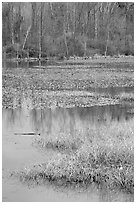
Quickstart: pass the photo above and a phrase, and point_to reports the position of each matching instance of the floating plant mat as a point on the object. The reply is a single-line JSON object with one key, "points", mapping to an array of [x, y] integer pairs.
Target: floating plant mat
{"points": [[69, 78], [13, 98]]}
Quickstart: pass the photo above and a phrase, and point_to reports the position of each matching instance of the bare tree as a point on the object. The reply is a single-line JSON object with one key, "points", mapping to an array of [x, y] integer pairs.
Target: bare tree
{"points": [[12, 22], [109, 10]]}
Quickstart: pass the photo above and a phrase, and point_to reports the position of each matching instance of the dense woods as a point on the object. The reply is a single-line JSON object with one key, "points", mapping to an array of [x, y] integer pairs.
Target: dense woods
{"points": [[48, 29]]}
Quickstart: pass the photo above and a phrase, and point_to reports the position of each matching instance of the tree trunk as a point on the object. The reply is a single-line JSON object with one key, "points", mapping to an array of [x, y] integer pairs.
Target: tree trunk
{"points": [[74, 20], [40, 31], [108, 26], [85, 48], [67, 18], [126, 30], [33, 24], [28, 30], [19, 32], [28, 54], [65, 40], [64, 34], [107, 42], [12, 23], [110, 8], [96, 21]]}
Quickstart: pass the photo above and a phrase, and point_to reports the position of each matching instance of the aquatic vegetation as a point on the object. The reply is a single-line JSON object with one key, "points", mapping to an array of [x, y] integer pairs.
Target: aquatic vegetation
{"points": [[63, 142], [105, 156], [69, 86], [126, 97], [42, 99]]}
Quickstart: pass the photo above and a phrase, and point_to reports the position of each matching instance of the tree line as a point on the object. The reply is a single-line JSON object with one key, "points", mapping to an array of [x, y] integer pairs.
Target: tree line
{"points": [[68, 28]]}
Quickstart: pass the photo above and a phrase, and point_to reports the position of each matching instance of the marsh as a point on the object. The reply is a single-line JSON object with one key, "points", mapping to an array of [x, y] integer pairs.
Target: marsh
{"points": [[68, 101], [71, 123]]}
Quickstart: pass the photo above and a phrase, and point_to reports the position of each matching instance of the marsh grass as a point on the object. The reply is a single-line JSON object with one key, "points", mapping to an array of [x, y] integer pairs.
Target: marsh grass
{"points": [[125, 98], [62, 142], [105, 156]]}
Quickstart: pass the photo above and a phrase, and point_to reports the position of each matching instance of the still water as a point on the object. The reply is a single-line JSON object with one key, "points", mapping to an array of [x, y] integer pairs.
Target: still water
{"points": [[47, 63], [58, 119], [20, 152]]}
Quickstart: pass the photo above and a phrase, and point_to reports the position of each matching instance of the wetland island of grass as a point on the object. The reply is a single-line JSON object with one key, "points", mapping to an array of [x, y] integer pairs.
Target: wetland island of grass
{"points": [[67, 122]]}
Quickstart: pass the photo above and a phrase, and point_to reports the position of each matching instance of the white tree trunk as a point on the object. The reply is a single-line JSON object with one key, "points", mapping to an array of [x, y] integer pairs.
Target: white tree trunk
{"points": [[96, 20], [28, 30], [12, 24], [85, 48], [40, 32]]}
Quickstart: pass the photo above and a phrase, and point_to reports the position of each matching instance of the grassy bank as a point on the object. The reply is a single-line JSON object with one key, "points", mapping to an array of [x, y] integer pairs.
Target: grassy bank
{"points": [[103, 154]]}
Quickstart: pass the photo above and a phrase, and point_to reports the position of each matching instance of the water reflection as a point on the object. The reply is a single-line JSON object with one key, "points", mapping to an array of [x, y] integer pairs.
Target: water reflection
{"points": [[25, 64], [112, 90], [55, 120], [97, 65]]}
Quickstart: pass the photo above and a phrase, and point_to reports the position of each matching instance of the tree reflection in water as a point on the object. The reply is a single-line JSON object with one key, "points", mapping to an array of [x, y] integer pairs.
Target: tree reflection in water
{"points": [[68, 120]]}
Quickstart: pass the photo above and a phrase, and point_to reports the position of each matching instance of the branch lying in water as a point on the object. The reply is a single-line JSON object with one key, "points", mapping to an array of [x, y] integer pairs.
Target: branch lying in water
{"points": [[28, 133]]}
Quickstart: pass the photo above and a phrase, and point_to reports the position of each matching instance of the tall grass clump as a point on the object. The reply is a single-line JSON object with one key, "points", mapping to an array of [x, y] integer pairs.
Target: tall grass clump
{"points": [[105, 156], [61, 141]]}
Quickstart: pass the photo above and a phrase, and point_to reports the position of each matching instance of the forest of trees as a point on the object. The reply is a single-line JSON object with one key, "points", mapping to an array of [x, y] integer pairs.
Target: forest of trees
{"points": [[68, 29]]}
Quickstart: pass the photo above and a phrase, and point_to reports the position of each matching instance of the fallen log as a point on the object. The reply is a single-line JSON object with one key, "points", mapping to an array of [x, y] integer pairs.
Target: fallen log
{"points": [[27, 133]]}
